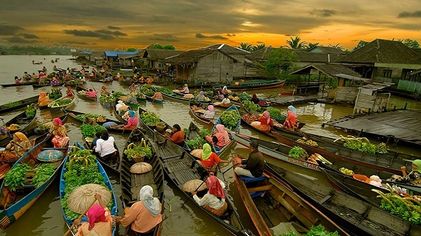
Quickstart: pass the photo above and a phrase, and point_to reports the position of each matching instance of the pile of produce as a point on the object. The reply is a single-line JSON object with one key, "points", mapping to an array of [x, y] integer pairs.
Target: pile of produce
{"points": [[30, 111], [363, 145], [16, 177], [230, 119], [60, 102], [251, 106], [81, 169], [164, 90], [244, 97], [297, 152], [149, 118], [13, 127], [42, 173], [103, 99], [88, 118], [138, 150], [346, 171], [406, 207], [276, 114], [146, 89], [196, 143], [318, 230], [88, 130], [204, 132], [308, 142], [55, 94]]}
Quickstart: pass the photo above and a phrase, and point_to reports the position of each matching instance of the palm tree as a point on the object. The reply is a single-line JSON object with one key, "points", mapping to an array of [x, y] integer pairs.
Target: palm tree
{"points": [[295, 43], [246, 46], [311, 46], [258, 46]]}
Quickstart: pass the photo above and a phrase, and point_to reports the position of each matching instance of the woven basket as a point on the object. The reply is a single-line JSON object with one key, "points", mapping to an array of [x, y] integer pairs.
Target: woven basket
{"points": [[135, 158]]}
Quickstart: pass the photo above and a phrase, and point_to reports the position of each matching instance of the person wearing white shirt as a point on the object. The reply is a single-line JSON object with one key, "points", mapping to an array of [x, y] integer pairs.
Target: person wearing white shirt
{"points": [[214, 199], [105, 146]]}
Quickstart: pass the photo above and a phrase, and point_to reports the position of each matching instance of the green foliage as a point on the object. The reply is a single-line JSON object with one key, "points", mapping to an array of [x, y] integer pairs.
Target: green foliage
{"points": [[364, 145], [132, 50], [279, 62], [106, 99], [159, 46], [230, 119], [30, 111], [149, 118], [318, 230], [312, 46], [411, 43], [15, 178], [250, 47], [164, 90], [88, 130], [276, 114], [196, 143], [60, 102], [147, 90], [204, 132], [408, 210], [42, 173], [55, 93], [138, 151], [251, 106], [33, 50], [244, 96], [297, 152], [87, 116], [296, 43], [360, 44]]}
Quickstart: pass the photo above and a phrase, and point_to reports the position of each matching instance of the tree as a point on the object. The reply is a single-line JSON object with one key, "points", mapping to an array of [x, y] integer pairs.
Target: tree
{"points": [[159, 46], [279, 62], [410, 43], [131, 49], [360, 44], [258, 46], [295, 43], [246, 46], [312, 46]]}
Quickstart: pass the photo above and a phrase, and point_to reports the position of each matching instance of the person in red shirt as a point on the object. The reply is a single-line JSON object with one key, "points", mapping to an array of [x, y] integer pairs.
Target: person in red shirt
{"points": [[264, 123], [209, 159], [177, 135], [291, 120]]}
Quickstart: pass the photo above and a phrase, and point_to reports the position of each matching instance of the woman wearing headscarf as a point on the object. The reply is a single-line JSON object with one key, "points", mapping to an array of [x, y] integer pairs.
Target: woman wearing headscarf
{"points": [[178, 135], [143, 215], [59, 132], [291, 120], [225, 90], [255, 99], [221, 134], [15, 148], [209, 113], [157, 96], [214, 199], [184, 90], [99, 222], [264, 123], [121, 107], [201, 97], [43, 99], [132, 121], [209, 159], [69, 92]]}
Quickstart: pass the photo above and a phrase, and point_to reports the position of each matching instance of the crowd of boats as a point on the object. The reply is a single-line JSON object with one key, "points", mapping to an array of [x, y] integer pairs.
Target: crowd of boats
{"points": [[370, 191]]}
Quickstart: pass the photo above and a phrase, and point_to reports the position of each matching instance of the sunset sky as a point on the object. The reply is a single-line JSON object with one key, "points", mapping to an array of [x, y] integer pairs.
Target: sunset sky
{"points": [[196, 23]]}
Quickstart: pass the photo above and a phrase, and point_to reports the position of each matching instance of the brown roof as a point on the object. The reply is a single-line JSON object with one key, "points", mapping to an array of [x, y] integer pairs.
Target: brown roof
{"points": [[332, 70], [229, 49], [194, 55], [330, 50], [159, 54], [302, 55], [383, 51]]}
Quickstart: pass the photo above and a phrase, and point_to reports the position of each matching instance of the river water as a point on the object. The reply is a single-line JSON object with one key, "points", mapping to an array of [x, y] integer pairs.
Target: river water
{"points": [[183, 218]]}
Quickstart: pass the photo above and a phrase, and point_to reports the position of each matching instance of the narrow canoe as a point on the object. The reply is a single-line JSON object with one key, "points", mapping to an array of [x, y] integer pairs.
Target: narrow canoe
{"points": [[25, 125], [259, 195], [29, 194], [21, 84], [114, 129], [18, 104], [63, 106], [237, 126], [353, 214], [113, 164], [176, 97], [81, 93], [263, 84], [197, 115], [149, 98], [36, 86], [106, 183], [132, 183], [177, 165]]}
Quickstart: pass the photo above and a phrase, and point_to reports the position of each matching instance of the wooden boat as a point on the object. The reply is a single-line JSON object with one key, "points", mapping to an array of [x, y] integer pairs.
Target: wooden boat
{"points": [[353, 214], [64, 106], [132, 183], [199, 116], [364, 164], [177, 165], [176, 97], [28, 194], [18, 104], [116, 129], [25, 125], [81, 93], [106, 183], [20, 84], [291, 213], [219, 121], [36, 86], [113, 163], [149, 98], [261, 84]]}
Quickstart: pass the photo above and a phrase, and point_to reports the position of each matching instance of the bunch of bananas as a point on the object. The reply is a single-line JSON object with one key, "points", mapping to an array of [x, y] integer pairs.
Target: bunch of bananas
{"points": [[346, 171], [308, 142]]}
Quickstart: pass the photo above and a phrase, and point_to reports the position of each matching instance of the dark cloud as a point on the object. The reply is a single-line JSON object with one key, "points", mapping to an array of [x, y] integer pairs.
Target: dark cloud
{"points": [[407, 14], [19, 40], [323, 12], [29, 36], [230, 35], [113, 27], [164, 37], [215, 36], [9, 29], [101, 34]]}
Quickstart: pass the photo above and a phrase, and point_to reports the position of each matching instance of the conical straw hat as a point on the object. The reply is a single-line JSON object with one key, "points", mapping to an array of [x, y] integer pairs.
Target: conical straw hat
{"points": [[140, 168], [82, 198], [192, 185]]}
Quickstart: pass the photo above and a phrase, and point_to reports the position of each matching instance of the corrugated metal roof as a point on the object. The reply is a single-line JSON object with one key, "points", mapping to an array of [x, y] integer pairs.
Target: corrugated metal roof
{"points": [[120, 53]]}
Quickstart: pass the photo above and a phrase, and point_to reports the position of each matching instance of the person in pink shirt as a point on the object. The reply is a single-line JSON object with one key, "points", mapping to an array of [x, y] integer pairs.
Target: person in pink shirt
{"points": [[91, 93], [221, 134], [132, 121]]}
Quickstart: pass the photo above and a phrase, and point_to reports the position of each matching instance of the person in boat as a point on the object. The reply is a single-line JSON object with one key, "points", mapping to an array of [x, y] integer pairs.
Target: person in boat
{"points": [[149, 80], [99, 221], [17, 80], [177, 135], [43, 99], [105, 146], [91, 93], [221, 134], [291, 120], [104, 91], [264, 123], [26, 76], [214, 199], [157, 96], [201, 97], [209, 113], [121, 107], [44, 69], [34, 76], [255, 99], [69, 92], [184, 90], [55, 81], [210, 160], [225, 91], [254, 165], [60, 138], [226, 102], [143, 215], [414, 175], [117, 76], [15, 148], [142, 80], [132, 121]]}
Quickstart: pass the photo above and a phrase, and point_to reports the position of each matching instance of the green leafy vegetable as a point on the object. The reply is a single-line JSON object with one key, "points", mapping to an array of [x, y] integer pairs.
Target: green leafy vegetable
{"points": [[42, 173], [149, 118], [88, 130], [30, 111], [196, 143], [230, 119], [251, 106], [297, 152], [15, 178], [276, 114], [138, 150], [364, 145], [318, 230], [245, 97]]}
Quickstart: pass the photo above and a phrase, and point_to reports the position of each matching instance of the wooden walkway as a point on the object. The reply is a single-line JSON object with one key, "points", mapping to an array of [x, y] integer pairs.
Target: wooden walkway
{"points": [[291, 100], [402, 125]]}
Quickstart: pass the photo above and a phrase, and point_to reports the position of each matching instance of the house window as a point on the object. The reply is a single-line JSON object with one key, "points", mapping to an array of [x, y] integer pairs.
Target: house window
{"points": [[387, 73]]}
